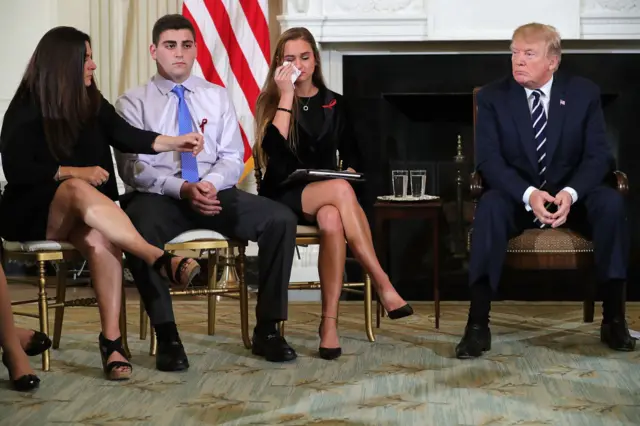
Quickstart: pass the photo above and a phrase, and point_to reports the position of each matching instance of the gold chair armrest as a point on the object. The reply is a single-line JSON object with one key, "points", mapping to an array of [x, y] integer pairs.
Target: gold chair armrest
{"points": [[620, 182]]}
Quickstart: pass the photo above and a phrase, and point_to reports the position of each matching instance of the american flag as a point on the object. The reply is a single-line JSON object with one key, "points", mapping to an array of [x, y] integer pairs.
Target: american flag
{"points": [[233, 51]]}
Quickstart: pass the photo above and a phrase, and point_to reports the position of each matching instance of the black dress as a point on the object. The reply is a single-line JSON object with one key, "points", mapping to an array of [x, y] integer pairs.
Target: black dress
{"points": [[30, 168], [322, 129]]}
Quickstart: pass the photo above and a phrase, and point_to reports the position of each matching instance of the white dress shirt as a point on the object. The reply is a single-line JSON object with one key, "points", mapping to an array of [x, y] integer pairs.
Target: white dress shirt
{"points": [[155, 107], [545, 98]]}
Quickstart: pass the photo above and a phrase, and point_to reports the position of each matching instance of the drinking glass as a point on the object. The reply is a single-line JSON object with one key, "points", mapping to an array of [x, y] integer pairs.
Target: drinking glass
{"points": [[418, 182], [399, 180]]}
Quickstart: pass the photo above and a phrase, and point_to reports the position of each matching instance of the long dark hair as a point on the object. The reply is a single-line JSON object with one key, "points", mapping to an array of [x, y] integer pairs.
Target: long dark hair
{"points": [[54, 81], [267, 102]]}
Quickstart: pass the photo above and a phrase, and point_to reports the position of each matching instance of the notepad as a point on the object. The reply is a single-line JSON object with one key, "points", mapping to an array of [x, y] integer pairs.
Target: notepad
{"points": [[311, 175]]}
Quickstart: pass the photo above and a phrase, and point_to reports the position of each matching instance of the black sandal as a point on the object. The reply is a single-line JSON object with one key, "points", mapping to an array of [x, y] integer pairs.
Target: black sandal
{"points": [[111, 370], [188, 265]]}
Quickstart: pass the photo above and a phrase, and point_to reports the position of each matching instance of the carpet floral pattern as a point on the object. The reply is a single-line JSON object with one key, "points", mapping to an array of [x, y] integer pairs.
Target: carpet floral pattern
{"points": [[546, 367]]}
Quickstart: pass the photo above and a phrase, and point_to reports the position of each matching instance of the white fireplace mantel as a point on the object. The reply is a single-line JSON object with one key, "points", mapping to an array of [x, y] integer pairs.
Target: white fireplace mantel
{"points": [[440, 20]]}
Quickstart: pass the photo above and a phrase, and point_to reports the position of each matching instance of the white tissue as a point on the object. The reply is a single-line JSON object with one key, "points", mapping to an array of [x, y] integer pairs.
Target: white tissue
{"points": [[296, 72]]}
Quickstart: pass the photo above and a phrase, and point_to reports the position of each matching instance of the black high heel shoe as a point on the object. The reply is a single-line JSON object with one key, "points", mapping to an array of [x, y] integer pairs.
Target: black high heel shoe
{"points": [[328, 353], [401, 312], [38, 343], [112, 370], [24, 383]]}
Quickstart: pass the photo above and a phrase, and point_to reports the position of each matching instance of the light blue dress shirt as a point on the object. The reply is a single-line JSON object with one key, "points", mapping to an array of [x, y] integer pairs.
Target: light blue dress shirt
{"points": [[154, 107]]}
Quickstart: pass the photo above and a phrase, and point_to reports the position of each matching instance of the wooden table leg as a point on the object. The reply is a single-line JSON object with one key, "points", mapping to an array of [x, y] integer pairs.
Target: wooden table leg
{"points": [[436, 267]]}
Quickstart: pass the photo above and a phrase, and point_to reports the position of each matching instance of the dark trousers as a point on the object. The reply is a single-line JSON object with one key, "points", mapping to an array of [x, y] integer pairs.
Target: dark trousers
{"points": [[599, 215], [245, 216]]}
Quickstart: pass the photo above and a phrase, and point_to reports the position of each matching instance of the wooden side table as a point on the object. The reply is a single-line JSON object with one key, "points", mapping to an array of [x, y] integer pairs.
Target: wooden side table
{"points": [[385, 211]]}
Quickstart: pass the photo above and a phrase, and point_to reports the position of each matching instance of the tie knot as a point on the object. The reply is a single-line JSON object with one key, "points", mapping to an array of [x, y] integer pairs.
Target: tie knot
{"points": [[178, 90], [537, 94]]}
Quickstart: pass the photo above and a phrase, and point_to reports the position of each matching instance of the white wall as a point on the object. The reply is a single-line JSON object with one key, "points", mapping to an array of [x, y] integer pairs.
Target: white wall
{"points": [[20, 40]]}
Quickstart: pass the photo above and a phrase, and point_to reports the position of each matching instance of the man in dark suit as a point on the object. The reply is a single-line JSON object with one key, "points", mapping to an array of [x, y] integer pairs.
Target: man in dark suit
{"points": [[541, 150]]}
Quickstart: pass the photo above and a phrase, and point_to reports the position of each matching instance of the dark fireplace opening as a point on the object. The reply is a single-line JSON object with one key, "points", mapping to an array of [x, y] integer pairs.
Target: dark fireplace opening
{"points": [[416, 112]]}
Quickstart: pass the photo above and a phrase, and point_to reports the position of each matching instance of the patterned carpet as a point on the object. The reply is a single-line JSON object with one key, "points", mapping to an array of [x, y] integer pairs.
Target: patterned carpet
{"points": [[546, 368]]}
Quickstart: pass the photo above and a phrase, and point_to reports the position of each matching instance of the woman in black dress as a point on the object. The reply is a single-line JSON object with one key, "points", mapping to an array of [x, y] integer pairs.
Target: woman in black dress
{"points": [[300, 127], [55, 145]]}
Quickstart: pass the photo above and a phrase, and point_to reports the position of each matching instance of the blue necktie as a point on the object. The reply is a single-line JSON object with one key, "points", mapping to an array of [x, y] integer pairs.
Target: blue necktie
{"points": [[189, 162], [539, 121]]}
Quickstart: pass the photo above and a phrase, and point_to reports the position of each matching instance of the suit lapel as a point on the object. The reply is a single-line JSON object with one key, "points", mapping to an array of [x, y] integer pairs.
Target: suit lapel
{"points": [[555, 116], [328, 107], [522, 116]]}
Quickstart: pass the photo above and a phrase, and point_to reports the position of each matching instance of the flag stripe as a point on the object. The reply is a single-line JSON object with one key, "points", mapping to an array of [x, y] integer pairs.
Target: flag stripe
{"points": [[233, 52], [238, 62], [204, 57], [220, 62], [258, 24], [247, 41]]}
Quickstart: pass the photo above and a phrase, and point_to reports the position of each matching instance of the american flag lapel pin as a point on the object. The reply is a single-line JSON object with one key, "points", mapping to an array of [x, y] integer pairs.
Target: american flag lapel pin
{"points": [[562, 102]]}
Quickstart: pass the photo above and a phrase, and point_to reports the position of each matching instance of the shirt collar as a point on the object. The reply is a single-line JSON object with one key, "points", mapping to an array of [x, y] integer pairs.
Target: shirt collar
{"points": [[165, 86], [545, 89]]}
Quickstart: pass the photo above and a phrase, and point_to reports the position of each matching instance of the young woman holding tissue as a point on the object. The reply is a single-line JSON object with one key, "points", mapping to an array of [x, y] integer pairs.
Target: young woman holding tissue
{"points": [[300, 125]]}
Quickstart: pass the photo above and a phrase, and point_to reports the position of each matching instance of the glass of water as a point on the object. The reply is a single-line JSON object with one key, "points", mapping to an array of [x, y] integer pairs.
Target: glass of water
{"points": [[418, 183], [400, 181]]}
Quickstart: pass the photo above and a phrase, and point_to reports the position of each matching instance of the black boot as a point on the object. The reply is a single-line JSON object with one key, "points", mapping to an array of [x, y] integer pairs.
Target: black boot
{"points": [[477, 335], [614, 331], [170, 355]]}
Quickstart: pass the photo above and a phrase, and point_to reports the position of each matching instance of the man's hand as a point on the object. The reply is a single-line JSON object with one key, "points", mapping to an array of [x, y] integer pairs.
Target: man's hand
{"points": [[202, 196], [563, 201], [538, 200], [207, 189]]}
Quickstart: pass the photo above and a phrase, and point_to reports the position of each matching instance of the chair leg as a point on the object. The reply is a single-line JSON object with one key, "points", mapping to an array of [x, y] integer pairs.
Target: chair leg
{"points": [[123, 324], [379, 310], [244, 299], [144, 321], [367, 308], [61, 290], [212, 284], [588, 307], [43, 308]]}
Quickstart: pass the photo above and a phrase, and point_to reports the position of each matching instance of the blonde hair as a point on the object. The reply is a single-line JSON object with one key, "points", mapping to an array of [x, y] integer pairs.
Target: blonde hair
{"points": [[541, 32], [267, 102]]}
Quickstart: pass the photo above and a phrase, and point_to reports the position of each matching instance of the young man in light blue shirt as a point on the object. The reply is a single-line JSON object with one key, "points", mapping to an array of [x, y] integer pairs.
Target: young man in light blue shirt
{"points": [[171, 194]]}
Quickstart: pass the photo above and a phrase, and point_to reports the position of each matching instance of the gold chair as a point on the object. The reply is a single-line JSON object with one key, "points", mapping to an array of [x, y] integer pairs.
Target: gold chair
{"points": [[210, 242], [55, 252], [310, 235]]}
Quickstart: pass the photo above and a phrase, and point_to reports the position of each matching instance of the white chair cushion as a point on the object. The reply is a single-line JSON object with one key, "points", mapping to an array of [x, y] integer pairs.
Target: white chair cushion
{"points": [[36, 246], [196, 235], [307, 230]]}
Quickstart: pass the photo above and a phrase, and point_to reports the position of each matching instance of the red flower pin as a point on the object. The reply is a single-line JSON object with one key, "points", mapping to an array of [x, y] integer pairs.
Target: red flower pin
{"points": [[330, 105]]}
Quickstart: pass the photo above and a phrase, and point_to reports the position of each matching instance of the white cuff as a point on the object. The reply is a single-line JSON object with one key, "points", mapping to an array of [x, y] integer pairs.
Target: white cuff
{"points": [[572, 192], [172, 187], [526, 196]]}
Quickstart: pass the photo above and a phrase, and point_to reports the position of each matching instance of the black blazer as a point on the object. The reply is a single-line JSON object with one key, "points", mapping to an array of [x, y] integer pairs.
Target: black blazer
{"points": [[578, 154], [29, 166], [311, 153]]}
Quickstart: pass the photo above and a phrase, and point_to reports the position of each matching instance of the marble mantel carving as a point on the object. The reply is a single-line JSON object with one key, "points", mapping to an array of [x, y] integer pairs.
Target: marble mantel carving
{"points": [[441, 20]]}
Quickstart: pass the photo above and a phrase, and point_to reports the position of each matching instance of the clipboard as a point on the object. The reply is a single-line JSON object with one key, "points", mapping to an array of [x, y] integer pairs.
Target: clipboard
{"points": [[313, 175]]}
